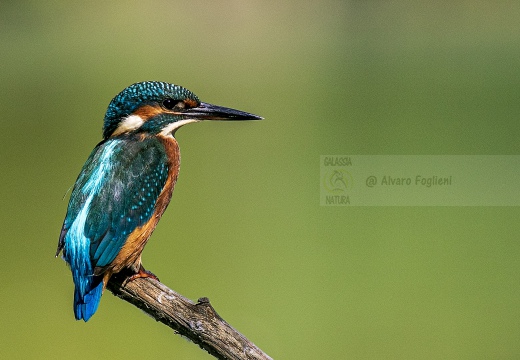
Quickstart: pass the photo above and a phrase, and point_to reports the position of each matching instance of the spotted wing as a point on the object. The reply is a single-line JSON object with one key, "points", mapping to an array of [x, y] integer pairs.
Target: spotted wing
{"points": [[121, 196]]}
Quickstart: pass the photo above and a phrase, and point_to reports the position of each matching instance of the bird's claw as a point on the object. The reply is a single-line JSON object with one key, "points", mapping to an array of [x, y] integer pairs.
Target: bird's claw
{"points": [[142, 273]]}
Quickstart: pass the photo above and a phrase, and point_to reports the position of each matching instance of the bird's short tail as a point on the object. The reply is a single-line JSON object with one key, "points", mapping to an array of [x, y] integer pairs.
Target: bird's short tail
{"points": [[85, 306]]}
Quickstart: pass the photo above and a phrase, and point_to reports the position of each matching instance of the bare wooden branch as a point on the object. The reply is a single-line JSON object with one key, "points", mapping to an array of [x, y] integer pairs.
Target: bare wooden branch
{"points": [[198, 322]]}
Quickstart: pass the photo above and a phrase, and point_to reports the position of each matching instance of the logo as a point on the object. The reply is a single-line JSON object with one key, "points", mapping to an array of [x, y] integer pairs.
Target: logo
{"points": [[337, 180]]}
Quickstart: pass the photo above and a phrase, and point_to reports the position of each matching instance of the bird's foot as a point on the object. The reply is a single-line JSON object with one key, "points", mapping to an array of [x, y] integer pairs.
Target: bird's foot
{"points": [[142, 273]]}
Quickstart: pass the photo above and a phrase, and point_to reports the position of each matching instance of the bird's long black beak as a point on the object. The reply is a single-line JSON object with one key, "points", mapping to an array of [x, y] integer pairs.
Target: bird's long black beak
{"points": [[207, 111]]}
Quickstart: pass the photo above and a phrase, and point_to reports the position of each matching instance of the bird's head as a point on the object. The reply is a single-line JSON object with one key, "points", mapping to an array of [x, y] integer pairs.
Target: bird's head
{"points": [[161, 108]]}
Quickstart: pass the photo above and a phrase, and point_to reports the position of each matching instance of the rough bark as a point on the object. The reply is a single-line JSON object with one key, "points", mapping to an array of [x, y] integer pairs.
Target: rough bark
{"points": [[199, 322]]}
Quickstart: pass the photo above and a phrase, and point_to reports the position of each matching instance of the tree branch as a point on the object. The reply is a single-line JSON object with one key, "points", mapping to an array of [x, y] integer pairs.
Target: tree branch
{"points": [[198, 322]]}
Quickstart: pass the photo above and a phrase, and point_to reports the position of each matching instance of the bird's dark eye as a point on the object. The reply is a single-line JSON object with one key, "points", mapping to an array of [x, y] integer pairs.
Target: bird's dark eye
{"points": [[171, 104]]}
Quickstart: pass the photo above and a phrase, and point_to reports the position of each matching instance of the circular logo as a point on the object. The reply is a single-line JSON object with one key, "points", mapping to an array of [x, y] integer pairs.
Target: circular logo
{"points": [[337, 180]]}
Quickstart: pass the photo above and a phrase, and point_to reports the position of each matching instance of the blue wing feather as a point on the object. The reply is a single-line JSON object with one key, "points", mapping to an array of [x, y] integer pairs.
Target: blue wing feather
{"points": [[128, 197], [115, 193]]}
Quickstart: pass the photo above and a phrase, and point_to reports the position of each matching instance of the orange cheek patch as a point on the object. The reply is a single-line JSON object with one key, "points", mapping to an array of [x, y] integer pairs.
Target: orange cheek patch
{"points": [[190, 103], [148, 111]]}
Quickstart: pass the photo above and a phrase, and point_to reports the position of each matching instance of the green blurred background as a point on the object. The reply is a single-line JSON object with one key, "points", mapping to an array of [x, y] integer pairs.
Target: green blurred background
{"points": [[245, 227]]}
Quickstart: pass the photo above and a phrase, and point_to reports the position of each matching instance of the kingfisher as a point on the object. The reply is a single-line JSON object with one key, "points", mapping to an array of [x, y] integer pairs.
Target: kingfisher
{"points": [[126, 184]]}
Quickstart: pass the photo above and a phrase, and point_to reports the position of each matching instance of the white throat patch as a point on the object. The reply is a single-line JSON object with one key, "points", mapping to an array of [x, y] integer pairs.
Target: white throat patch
{"points": [[170, 128]]}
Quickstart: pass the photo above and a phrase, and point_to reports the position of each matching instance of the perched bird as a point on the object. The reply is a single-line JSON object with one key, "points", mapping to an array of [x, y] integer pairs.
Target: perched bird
{"points": [[126, 184]]}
